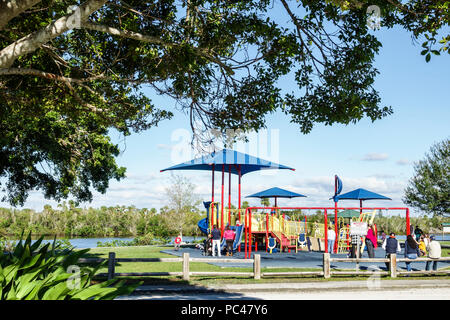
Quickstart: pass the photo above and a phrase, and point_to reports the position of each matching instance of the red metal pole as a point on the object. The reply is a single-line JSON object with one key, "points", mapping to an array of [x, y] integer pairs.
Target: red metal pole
{"points": [[335, 227], [326, 231], [246, 233], [221, 202], [239, 208], [267, 231], [250, 233], [229, 195], [212, 198], [408, 227]]}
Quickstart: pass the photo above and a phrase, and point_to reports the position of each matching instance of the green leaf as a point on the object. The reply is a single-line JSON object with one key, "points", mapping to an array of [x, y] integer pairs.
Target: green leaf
{"points": [[428, 57], [93, 291], [56, 292]]}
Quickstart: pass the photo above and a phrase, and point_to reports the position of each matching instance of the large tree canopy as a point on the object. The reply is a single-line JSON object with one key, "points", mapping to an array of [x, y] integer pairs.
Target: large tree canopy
{"points": [[429, 188], [70, 71]]}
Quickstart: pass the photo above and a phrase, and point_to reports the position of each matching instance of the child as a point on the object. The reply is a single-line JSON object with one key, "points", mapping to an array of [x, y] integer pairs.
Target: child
{"points": [[422, 246]]}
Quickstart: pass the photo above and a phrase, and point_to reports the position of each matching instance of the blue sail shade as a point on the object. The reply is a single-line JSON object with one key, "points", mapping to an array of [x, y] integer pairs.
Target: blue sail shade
{"points": [[230, 160], [275, 193], [361, 194]]}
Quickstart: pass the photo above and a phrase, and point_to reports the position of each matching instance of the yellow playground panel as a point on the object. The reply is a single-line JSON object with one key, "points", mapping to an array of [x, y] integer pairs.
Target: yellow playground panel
{"points": [[284, 229], [230, 216], [344, 230]]}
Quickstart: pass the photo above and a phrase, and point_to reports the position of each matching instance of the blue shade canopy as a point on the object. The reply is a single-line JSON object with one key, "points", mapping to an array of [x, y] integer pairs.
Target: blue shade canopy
{"points": [[275, 193], [231, 160], [361, 194]]}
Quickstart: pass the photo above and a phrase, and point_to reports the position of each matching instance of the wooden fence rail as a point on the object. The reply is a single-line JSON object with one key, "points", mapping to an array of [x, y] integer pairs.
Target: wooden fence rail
{"points": [[392, 262], [327, 272]]}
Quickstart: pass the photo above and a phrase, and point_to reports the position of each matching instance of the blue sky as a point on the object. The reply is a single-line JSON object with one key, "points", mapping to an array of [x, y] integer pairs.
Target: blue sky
{"points": [[377, 156]]}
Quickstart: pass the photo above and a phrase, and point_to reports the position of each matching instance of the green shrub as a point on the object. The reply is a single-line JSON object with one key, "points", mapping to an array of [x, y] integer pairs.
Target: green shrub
{"points": [[145, 240], [32, 271]]}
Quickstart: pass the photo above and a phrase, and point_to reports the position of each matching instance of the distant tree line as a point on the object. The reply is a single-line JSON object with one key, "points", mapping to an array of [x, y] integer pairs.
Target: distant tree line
{"points": [[120, 221]]}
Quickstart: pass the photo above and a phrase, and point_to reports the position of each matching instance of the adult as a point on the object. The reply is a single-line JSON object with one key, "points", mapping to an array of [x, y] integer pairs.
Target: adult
{"points": [[427, 240], [383, 235], [391, 246], [229, 236], [418, 232], [434, 252], [411, 250], [331, 239], [208, 245], [354, 242], [371, 241], [216, 236]]}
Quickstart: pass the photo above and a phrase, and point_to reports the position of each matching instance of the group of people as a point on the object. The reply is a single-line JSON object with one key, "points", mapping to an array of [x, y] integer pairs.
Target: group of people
{"points": [[370, 241], [424, 246], [419, 245], [214, 239]]}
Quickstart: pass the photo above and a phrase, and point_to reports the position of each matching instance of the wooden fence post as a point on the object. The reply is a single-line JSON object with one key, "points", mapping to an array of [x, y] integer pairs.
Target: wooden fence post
{"points": [[393, 265], [111, 265], [326, 265], [186, 266], [257, 266]]}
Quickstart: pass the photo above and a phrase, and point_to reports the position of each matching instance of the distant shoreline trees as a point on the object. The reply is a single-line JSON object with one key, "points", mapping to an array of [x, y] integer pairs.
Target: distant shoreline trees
{"points": [[70, 221]]}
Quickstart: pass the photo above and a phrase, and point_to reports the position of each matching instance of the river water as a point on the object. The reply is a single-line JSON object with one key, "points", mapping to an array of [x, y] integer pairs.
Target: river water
{"points": [[83, 243]]}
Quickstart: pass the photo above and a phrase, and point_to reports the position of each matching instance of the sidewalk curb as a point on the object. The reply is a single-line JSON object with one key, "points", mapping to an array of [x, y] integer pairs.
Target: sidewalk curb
{"points": [[300, 286]]}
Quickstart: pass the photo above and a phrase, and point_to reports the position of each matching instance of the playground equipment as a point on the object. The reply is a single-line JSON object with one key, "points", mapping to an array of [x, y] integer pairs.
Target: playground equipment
{"points": [[275, 193], [261, 227], [301, 241], [357, 194], [271, 244], [230, 161], [343, 238]]}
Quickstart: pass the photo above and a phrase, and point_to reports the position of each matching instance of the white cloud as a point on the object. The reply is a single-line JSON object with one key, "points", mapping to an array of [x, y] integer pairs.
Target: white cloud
{"points": [[375, 157], [403, 162]]}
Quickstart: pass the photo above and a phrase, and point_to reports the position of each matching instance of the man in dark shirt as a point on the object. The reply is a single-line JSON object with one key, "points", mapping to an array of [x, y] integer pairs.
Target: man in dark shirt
{"points": [[391, 245], [354, 242], [216, 236]]}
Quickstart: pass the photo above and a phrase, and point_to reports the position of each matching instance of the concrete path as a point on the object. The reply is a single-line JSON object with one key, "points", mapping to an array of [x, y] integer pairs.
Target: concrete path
{"points": [[329, 290]]}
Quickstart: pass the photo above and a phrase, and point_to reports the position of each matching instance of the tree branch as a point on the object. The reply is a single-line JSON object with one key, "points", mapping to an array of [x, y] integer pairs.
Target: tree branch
{"points": [[36, 39], [9, 9], [156, 40]]}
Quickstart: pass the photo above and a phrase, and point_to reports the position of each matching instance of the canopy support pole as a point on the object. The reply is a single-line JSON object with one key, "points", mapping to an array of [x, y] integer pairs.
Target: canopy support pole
{"points": [[326, 230], [335, 228], [221, 202], [239, 192], [408, 227], [229, 195], [239, 206], [212, 199]]}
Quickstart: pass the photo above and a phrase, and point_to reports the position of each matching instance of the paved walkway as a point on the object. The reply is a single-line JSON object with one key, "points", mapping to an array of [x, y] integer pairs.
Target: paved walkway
{"points": [[366, 289]]}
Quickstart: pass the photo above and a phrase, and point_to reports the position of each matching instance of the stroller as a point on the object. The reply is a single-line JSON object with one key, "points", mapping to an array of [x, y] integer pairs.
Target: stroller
{"points": [[207, 247]]}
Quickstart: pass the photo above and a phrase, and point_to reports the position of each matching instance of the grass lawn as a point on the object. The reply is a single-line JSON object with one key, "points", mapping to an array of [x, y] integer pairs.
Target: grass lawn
{"points": [[154, 252]]}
